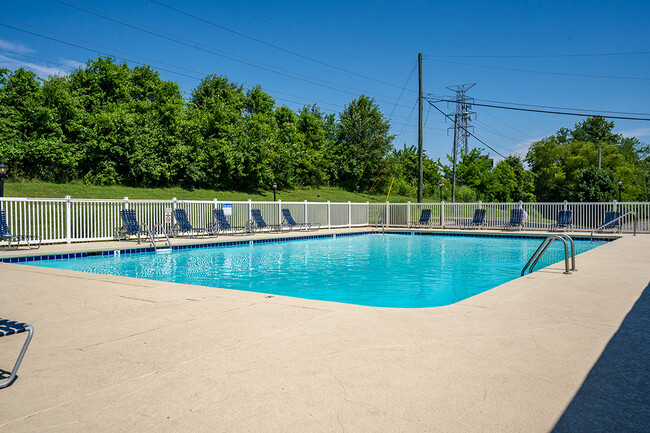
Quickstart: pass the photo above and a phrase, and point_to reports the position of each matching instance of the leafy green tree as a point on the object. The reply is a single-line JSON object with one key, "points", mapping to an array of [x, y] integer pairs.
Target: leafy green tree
{"points": [[363, 142], [559, 161], [594, 185]]}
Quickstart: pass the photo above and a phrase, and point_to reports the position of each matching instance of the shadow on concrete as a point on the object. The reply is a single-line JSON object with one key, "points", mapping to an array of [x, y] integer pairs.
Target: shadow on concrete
{"points": [[615, 396]]}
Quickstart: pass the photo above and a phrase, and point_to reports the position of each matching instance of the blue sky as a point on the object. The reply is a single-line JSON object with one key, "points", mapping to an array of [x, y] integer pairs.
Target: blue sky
{"points": [[328, 53]]}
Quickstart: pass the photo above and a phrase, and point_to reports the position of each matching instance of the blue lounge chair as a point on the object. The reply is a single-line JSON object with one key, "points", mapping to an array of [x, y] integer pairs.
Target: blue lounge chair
{"points": [[6, 235], [183, 225], [564, 220], [260, 224], [291, 223], [425, 216], [478, 220], [516, 219], [130, 226], [9, 327], [221, 224], [610, 216]]}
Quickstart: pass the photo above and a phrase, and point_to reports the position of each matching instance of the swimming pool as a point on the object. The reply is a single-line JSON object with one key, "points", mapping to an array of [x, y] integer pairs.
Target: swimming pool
{"points": [[394, 270]]}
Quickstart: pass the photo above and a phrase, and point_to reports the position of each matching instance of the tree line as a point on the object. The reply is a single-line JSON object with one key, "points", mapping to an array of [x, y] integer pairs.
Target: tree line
{"points": [[108, 123]]}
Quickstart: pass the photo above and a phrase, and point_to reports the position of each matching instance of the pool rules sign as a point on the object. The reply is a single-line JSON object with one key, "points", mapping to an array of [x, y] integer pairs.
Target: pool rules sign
{"points": [[227, 209]]}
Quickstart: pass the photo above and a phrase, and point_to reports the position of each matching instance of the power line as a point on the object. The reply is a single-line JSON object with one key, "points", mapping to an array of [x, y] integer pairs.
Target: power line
{"points": [[563, 113], [496, 151], [215, 51], [408, 79], [538, 56], [136, 61], [567, 74], [293, 32], [294, 53], [560, 108], [195, 78]]}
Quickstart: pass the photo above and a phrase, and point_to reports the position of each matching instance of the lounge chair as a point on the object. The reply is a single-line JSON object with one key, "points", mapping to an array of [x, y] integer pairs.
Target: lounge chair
{"points": [[610, 216], [9, 327], [516, 219], [130, 226], [478, 220], [221, 224], [425, 218], [564, 220], [183, 225], [291, 223], [6, 235], [260, 224]]}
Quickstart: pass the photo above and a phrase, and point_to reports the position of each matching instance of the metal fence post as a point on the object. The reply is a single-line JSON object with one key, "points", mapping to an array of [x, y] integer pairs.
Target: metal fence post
{"points": [[566, 205], [387, 214], [349, 214], [250, 207], [68, 220], [328, 215], [278, 214], [367, 213], [408, 213], [305, 213], [442, 214]]}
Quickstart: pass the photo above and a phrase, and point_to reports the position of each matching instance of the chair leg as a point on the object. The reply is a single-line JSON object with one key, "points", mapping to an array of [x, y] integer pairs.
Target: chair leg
{"points": [[30, 334]]}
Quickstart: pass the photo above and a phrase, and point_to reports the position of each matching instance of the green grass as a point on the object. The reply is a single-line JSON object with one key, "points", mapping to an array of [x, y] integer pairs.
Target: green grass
{"points": [[38, 189]]}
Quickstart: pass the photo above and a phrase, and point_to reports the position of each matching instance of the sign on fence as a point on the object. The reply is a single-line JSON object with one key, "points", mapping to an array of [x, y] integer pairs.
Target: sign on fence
{"points": [[227, 209]]}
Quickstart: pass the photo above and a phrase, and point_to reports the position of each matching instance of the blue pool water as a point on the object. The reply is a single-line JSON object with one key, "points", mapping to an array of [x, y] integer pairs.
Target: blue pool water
{"points": [[384, 271]]}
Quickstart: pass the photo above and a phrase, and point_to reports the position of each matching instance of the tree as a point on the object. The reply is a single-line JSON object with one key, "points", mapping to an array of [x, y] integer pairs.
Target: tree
{"points": [[559, 162], [594, 185], [362, 144]]}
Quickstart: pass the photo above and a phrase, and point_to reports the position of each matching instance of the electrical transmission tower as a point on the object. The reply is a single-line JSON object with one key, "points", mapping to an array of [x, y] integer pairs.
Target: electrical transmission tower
{"points": [[463, 115]]}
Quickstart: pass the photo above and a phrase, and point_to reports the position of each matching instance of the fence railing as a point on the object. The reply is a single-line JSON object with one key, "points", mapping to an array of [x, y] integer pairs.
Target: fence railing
{"points": [[81, 220]]}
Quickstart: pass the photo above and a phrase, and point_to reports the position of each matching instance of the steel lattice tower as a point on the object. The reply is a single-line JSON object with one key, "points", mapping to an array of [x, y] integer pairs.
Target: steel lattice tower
{"points": [[464, 114]]}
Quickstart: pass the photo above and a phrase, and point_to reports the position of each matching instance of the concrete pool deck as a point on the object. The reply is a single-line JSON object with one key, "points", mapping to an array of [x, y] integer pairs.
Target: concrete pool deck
{"points": [[541, 353]]}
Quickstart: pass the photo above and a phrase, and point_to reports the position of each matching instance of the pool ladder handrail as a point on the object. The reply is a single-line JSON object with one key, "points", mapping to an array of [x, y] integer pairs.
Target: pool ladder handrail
{"points": [[546, 243], [383, 232], [608, 223], [159, 229]]}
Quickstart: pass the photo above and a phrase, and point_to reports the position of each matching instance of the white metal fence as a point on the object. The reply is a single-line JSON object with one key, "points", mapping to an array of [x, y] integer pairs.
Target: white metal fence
{"points": [[79, 220]]}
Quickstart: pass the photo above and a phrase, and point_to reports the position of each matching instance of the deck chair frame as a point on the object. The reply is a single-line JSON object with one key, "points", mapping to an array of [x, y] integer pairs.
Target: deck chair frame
{"points": [[183, 225], [260, 224], [610, 216], [221, 224], [6, 235], [564, 220], [425, 219], [478, 220], [10, 327], [130, 226], [291, 222], [516, 220]]}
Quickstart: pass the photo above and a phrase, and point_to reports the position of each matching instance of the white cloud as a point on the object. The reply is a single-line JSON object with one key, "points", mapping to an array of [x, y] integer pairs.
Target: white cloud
{"points": [[17, 48], [41, 70], [638, 132]]}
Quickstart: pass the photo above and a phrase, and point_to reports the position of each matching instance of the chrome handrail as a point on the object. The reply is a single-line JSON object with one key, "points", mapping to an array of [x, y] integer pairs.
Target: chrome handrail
{"points": [[546, 243], [159, 229], [382, 222], [614, 220]]}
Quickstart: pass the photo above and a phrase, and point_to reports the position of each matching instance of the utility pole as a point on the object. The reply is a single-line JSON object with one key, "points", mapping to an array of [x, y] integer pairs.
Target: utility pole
{"points": [[420, 161], [453, 170]]}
